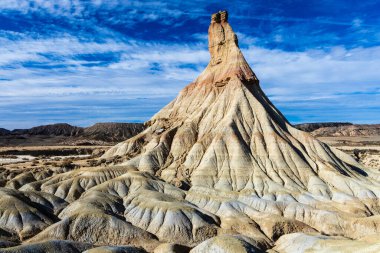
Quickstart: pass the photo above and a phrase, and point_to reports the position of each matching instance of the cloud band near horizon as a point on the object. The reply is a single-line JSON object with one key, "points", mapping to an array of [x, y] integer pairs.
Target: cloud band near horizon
{"points": [[83, 62]]}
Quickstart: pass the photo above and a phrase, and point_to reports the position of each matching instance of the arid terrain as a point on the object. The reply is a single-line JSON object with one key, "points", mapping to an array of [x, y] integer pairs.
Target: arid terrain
{"points": [[362, 142], [219, 169]]}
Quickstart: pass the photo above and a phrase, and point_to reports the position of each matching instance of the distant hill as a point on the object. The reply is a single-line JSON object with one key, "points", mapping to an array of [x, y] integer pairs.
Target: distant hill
{"points": [[310, 127], [60, 129], [113, 132], [66, 133], [4, 131], [110, 133], [336, 129]]}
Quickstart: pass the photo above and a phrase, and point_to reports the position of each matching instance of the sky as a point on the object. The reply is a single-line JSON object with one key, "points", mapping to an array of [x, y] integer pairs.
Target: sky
{"points": [[88, 61]]}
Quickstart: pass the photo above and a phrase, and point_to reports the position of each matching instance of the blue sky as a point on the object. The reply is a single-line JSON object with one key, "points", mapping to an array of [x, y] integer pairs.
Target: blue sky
{"points": [[91, 61]]}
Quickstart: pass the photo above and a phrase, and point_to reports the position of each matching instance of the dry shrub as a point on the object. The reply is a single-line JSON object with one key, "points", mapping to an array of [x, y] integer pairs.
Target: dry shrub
{"points": [[92, 163], [117, 159], [68, 164]]}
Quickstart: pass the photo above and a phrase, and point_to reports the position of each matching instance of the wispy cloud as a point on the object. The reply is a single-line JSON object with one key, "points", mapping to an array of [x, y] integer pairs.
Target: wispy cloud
{"points": [[160, 70]]}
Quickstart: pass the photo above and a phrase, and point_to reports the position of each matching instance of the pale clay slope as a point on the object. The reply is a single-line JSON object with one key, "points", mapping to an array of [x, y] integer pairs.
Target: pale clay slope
{"points": [[227, 244], [223, 133], [299, 242], [219, 169]]}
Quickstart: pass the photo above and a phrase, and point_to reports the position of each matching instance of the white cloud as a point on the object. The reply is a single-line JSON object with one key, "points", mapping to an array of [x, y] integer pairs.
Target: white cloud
{"points": [[283, 72], [357, 22], [142, 10], [316, 67], [153, 70], [129, 74]]}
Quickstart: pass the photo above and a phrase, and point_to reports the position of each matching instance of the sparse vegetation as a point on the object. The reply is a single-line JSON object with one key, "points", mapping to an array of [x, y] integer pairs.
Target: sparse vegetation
{"points": [[92, 163], [356, 153], [47, 163], [54, 164], [35, 162], [117, 159], [68, 164], [102, 161]]}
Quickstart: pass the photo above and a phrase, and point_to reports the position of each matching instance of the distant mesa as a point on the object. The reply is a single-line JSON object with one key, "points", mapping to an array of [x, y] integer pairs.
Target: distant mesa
{"points": [[102, 132]]}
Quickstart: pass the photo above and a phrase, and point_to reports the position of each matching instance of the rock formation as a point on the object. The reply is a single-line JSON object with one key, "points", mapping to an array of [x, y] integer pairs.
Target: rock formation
{"points": [[219, 169], [224, 140], [222, 133], [310, 127]]}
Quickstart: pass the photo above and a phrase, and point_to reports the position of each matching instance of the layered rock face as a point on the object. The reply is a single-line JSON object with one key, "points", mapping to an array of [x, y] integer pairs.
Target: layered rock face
{"points": [[224, 140], [219, 169], [222, 133]]}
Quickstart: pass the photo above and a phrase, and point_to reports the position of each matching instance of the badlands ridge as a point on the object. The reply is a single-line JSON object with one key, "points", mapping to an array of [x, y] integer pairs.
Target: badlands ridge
{"points": [[219, 169]]}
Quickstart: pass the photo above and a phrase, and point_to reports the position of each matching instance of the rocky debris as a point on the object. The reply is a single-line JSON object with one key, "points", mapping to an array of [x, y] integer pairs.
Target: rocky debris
{"points": [[370, 158]]}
